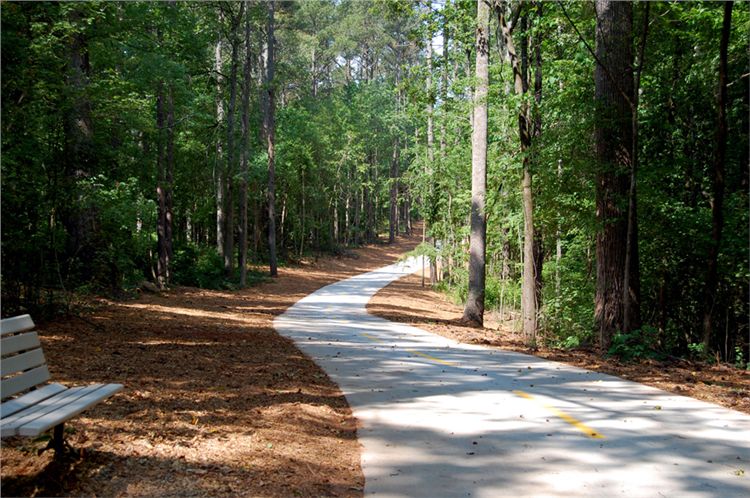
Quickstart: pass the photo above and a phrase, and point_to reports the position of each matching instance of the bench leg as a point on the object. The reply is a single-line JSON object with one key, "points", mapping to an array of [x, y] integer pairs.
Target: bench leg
{"points": [[58, 443], [58, 440]]}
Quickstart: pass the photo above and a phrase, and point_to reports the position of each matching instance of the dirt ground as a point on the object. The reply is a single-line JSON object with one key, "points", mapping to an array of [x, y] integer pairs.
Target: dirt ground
{"points": [[407, 301], [215, 402]]}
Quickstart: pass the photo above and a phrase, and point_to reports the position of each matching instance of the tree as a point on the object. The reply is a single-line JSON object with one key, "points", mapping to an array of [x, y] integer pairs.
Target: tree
{"points": [[219, 174], [79, 156], [613, 77], [717, 206], [244, 152], [269, 126], [525, 129], [230, 165], [165, 174], [474, 309], [116, 121]]}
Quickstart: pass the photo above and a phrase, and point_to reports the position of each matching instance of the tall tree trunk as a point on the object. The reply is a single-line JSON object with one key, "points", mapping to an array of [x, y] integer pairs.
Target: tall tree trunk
{"points": [[393, 218], [231, 150], [169, 186], [429, 172], [613, 79], [244, 152], [79, 157], [165, 177], [717, 222], [395, 159], [161, 193], [370, 230], [444, 87], [536, 137], [407, 211], [558, 238], [270, 132], [474, 309], [631, 311], [520, 67], [219, 164], [528, 291], [256, 228]]}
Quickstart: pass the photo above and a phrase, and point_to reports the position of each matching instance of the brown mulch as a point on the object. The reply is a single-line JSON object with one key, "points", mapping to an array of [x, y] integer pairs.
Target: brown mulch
{"points": [[407, 301], [215, 403]]}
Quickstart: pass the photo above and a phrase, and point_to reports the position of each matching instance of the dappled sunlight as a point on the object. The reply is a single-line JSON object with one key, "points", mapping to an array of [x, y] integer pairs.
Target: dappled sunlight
{"points": [[439, 417], [215, 402], [190, 312]]}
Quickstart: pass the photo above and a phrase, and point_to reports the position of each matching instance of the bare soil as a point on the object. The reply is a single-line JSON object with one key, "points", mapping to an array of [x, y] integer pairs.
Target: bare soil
{"points": [[407, 301], [215, 403]]}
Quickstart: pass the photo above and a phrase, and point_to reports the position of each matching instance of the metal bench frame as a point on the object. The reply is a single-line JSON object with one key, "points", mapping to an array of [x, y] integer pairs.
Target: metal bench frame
{"points": [[30, 405]]}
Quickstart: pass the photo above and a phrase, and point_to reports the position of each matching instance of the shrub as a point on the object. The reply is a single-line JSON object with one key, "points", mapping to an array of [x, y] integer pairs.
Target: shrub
{"points": [[198, 267], [635, 345]]}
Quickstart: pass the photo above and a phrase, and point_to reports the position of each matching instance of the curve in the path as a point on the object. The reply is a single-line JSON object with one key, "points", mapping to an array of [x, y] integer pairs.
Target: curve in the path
{"points": [[439, 418]]}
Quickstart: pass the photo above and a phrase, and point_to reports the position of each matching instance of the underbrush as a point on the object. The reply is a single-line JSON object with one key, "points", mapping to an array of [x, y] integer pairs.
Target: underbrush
{"points": [[203, 267]]}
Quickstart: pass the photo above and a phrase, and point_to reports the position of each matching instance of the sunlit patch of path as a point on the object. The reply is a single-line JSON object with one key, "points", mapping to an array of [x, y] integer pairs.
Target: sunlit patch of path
{"points": [[439, 418]]}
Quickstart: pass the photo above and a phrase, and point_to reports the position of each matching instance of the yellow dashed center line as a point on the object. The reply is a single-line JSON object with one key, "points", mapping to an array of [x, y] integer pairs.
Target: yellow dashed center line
{"points": [[432, 358], [423, 355], [561, 414]]}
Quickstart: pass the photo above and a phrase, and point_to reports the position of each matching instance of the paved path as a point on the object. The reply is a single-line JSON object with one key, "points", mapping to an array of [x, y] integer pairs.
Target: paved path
{"points": [[439, 418]]}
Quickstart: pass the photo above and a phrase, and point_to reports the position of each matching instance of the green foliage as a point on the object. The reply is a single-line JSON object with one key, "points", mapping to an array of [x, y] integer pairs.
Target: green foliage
{"points": [[570, 342], [425, 249], [80, 156], [739, 358], [198, 267], [636, 345], [698, 352]]}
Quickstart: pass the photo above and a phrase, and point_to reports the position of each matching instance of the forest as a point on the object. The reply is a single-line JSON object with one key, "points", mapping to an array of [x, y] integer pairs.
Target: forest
{"points": [[579, 168]]}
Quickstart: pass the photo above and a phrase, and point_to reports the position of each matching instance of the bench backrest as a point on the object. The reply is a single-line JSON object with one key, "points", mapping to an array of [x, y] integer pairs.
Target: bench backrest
{"points": [[21, 357]]}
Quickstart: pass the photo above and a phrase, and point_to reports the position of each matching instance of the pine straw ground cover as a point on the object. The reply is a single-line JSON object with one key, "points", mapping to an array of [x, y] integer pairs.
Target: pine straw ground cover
{"points": [[215, 402], [407, 301]]}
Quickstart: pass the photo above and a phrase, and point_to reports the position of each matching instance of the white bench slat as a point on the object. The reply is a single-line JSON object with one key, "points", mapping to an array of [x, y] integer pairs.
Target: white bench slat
{"points": [[29, 399], [46, 406], [14, 385], [21, 342], [68, 411], [21, 362], [9, 426], [16, 324]]}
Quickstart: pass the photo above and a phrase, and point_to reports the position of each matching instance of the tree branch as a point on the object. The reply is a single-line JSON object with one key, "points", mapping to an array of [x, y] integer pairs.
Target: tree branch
{"points": [[598, 61]]}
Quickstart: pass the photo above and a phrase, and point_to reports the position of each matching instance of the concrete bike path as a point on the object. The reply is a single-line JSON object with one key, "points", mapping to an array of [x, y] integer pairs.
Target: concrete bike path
{"points": [[440, 418]]}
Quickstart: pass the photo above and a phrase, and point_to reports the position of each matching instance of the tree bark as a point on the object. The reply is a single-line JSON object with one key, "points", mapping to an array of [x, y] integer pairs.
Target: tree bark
{"points": [[79, 157], [270, 132], [474, 309], [429, 171], [536, 137], [161, 198], [169, 186], [219, 164], [393, 218], [444, 87], [520, 67], [613, 77], [631, 314], [394, 172], [244, 152], [231, 150], [717, 215]]}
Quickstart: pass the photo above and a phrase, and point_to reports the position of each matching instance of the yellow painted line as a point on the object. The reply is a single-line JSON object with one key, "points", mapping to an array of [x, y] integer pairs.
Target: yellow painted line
{"points": [[561, 414], [432, 358], [423, 355]]}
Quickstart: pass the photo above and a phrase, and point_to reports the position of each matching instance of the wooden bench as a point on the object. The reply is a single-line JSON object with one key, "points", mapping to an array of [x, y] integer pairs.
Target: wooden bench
{"points": [[31, 406]]}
